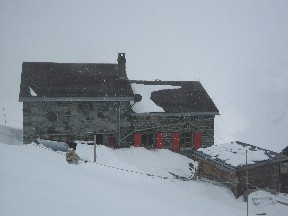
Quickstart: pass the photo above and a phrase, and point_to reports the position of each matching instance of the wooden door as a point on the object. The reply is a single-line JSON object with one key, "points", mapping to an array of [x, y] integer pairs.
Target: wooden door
{"points": [[176, 142], [111, 140], [137, 140], [159, 140], [197, 140]]}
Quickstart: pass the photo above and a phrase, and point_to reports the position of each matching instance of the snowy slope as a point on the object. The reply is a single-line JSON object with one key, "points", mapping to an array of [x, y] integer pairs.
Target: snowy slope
{"points": [[156, 162], [10, 135], [36, 181]]}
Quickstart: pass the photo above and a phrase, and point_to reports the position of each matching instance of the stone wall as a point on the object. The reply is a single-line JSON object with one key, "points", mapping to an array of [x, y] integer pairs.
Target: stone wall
{"points": [[265, 176], [84, 119], [80, 119], [210, 171], [169, 124]]}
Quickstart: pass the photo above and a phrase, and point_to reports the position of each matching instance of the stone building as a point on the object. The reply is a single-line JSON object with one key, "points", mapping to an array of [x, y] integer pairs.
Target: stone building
{"points": [[83, 99]]}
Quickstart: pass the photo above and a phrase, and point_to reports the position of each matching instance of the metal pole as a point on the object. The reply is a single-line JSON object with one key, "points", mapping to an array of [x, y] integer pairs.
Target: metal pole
{"points": [[119, 123], [94, 148], [247, 183]]}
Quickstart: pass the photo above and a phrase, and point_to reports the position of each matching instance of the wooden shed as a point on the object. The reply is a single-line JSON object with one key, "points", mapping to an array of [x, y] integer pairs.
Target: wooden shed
{"points": [[226, 164]]}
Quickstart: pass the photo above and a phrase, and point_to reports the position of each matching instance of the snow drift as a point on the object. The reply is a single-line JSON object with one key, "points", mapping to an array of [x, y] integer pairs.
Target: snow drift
{"points": [[39, 181]]}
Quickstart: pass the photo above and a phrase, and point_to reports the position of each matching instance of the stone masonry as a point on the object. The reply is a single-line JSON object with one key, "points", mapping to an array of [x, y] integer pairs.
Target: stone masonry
{"points": [[183, 124], [78, 118]]}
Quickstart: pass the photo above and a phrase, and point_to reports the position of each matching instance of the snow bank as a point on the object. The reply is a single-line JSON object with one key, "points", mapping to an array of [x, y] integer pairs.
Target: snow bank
{"points": [[35, 181], [156, 162], [10, 135], [264, 203]]}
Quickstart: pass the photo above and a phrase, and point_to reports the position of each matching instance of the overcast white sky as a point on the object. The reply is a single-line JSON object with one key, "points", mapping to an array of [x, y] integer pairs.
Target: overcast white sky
{"points": [[237, 49]]}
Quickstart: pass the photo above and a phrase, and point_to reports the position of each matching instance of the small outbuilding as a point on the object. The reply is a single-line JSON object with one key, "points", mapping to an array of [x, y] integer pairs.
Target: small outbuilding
{"points": [[226, 164]]}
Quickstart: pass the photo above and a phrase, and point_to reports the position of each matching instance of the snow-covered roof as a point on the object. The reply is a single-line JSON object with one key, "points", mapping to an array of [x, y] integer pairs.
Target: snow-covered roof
{"points": [[50, 81], [233, 155], [146, 104], [173, 97]]}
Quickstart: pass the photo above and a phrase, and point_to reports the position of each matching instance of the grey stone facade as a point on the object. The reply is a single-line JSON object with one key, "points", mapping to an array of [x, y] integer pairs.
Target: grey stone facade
{"points": [[185, 125], [81, 119]]}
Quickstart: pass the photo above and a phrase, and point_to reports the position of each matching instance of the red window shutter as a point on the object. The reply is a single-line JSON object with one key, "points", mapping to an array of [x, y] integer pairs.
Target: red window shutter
{"points": [[137, 140], [197, 140], [176, 141], [111, 140], [159, 140]]}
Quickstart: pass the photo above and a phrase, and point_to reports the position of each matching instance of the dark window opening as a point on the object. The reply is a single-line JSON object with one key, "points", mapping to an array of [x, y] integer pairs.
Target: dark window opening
{"points": [[186, 140], [148, 141], [99, 139]]}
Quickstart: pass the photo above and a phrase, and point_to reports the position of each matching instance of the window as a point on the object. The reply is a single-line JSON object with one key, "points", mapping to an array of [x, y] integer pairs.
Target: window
{"points": [[99, 139], [148, 140], [186, 140]]}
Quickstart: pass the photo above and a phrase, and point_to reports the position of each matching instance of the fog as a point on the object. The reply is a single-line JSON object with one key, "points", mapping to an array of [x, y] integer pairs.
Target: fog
{"points": [[237, 49]]}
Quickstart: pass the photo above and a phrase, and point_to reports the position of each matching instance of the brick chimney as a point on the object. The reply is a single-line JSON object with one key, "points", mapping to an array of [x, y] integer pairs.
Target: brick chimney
{"points": [[122, 66]]}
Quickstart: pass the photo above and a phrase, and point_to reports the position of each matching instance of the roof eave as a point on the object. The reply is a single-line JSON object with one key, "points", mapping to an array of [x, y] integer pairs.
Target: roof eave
{"points": [[77, 99], [176, 114], [218, 164], [262, 163], [222, 165]]}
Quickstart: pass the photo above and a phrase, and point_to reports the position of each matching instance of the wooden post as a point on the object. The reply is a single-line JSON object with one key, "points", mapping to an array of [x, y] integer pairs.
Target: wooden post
{"points": [[247, 183], [94, 148]]}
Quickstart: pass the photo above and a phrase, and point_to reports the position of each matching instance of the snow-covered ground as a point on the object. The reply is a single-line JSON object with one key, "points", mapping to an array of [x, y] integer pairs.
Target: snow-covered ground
{"points": [[38, 181], [10, 135]]}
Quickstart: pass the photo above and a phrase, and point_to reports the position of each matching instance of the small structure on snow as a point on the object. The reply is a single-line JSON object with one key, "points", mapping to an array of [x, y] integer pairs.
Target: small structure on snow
{"points": [[226, 163]]}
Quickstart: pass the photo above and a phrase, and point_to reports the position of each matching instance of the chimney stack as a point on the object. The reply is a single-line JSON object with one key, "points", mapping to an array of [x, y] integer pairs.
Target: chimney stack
{"points": [[122, 66]]}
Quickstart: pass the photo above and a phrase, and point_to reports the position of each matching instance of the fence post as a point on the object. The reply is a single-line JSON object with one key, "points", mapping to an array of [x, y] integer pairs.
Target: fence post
{"points": [[247, 187], [94, 148]]}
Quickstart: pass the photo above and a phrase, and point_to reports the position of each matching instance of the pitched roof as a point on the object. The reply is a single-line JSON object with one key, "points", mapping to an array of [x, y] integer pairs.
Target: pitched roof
{"points": [[48, 79], [180, 97], [232, 156]]}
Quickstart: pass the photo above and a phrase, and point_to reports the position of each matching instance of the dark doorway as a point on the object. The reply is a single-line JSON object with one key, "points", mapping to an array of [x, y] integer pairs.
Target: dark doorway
{"points": [[99, 139]]}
